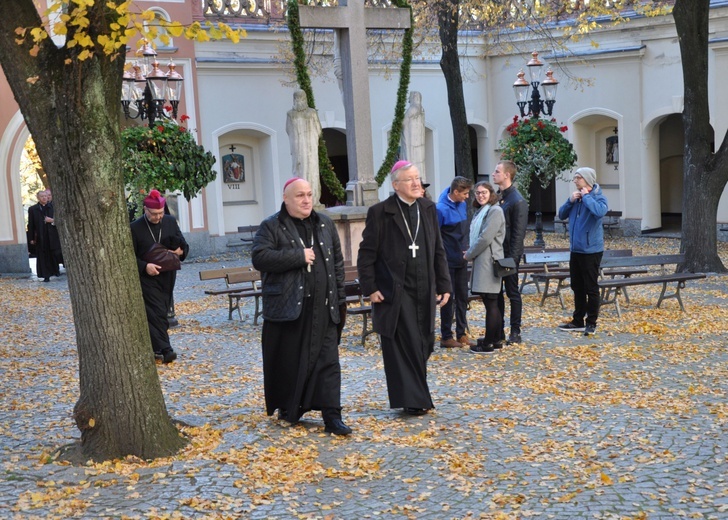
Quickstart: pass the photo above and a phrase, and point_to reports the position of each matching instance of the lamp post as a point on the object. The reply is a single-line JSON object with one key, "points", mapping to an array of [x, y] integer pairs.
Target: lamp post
{"points": [[150, 88], [536, 107]]}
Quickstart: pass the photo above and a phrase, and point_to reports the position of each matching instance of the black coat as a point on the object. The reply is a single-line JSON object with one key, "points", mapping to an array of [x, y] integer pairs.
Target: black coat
{"points": [[278, 254], [515, 210], [382, 261]]}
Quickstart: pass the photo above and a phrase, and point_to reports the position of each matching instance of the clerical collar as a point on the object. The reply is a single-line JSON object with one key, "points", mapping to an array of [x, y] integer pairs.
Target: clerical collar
{"points": [[405, 202]]}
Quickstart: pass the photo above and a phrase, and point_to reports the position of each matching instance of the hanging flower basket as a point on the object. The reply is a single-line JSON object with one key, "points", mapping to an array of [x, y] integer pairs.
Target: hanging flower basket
{"points": [[539, 149]]}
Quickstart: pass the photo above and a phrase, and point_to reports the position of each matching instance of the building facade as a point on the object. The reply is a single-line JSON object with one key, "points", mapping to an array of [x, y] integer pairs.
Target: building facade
{"points": [[620, 95]]}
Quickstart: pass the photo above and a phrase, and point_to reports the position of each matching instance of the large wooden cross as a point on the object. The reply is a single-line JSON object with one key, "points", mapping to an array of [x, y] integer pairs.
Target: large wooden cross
{"points": [[352, 20]]}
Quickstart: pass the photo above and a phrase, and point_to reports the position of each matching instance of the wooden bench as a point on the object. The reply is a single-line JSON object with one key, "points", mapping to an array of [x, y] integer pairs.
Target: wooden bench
{"points": [[613, 288], [561, 274], [251, 289], [248, 232], [357, 304], [230, 275], [527, 268]]}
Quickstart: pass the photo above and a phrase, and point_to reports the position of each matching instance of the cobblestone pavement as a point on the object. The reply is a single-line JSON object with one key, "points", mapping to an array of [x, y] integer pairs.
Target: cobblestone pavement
{"points": [[630, 423]]}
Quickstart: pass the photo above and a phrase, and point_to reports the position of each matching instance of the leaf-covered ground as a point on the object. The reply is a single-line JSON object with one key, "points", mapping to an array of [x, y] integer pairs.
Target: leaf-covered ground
{"points": [[631, 423]]}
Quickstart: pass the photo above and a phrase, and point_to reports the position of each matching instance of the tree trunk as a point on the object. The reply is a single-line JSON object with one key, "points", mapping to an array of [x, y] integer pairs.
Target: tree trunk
{"points": [[72, 112], [447, 15], [704, 174]]}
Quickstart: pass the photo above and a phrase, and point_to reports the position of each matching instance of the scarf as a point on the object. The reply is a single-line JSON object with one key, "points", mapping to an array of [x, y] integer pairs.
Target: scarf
{"points": [[477, 223]]}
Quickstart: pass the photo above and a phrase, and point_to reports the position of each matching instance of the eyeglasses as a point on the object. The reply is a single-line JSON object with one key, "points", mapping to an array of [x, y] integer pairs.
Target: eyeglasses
{"points": [[481, 193]]}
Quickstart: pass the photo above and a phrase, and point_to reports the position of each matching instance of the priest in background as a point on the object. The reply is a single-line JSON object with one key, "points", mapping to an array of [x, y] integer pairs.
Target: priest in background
{"points": [[403, 268]]}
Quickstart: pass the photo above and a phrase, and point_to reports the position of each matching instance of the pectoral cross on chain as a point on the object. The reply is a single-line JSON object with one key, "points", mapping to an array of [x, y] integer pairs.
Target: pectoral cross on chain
{"points": [[414, 247]]}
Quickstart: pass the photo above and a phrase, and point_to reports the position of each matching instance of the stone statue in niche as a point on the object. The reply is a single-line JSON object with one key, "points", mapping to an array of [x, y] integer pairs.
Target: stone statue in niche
{"points": [[413, 133], [304, 130]]}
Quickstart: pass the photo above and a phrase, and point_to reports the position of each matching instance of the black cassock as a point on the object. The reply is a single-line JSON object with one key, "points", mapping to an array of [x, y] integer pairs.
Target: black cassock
{"points": [[405, 355], [45, 236], [301, 370], [157, 290]]}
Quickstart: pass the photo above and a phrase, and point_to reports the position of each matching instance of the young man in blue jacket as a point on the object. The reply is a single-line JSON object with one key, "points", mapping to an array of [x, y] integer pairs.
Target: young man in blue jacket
{"points": [[585, 210], [452, 217]]}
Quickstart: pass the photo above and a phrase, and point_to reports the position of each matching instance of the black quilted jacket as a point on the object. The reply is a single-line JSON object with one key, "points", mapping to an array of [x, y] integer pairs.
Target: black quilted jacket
{"points": [[278, 255]]}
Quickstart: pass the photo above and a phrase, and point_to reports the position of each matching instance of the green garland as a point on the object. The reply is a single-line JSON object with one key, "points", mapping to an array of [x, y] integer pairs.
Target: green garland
{"points": [[304, 81], [395, 134], [328, 176]]}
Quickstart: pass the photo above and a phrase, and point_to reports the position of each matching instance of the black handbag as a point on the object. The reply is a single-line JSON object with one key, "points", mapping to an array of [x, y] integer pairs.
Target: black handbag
{"points": [[504, 267], [163, 257]]}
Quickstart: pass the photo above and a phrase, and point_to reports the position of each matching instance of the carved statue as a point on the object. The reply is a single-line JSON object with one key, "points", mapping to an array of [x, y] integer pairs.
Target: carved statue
{"points": [[304, 129], [413, 133]]}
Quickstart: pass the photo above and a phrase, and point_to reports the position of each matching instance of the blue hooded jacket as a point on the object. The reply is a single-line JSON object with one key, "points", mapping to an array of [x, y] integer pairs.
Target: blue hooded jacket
{"points": [[453, 220], [585, 215]]}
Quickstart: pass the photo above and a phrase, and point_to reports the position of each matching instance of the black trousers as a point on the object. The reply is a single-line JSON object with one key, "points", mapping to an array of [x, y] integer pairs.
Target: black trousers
{"points": [[510, 287], [584, 273], [457, 305], [493, 318]]}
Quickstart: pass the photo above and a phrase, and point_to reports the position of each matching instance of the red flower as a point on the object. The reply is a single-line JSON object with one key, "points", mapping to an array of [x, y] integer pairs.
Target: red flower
{"points": [[514, 133], [525, 121], [184, 117], [563, 128], [168, 108], [515, 119], [540, 125], [182, 128], [160, 128]]}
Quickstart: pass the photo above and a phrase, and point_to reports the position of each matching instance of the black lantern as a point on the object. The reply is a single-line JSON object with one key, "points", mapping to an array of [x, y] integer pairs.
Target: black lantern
{"points": [[536, 105], [150, 88]]}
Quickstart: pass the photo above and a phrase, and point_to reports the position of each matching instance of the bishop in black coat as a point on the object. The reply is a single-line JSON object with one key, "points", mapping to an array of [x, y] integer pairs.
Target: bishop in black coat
{"points": [[157, 287], [403, 268], [298, 253], [44, 236]]}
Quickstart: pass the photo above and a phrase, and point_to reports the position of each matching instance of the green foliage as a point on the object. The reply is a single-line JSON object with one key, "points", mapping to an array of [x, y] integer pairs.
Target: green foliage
{"points": [[539, 149], [395, 134], [164, 157], [326, 170]]}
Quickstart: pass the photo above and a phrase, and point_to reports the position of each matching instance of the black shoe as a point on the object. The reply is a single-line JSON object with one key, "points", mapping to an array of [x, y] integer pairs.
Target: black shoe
{"points": [[172, 322], [482, 347], [415, 411], [337, 427], [158, 356], [498, 346], [47, 279], [169, 356], [590, 330], [571, 327], [513, 338]]}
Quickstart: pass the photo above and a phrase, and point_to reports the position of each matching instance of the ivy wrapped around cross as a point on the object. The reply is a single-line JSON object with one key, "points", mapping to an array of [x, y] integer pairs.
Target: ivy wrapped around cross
{"points": [[539, 149]]}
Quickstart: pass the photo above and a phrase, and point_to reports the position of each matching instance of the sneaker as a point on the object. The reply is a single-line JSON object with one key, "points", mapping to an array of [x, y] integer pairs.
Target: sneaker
{"points": [[482, 348], [571, 327], [450, 343], [513, 338], [590, 330]]}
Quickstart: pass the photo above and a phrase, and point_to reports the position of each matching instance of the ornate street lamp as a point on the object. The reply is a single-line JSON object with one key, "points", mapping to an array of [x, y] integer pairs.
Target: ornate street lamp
{"points": [[536, 107], [150, 88]]}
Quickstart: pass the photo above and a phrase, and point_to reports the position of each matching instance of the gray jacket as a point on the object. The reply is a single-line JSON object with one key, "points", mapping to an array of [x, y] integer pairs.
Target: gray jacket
{"points": [[278, 254], [489, 245]]}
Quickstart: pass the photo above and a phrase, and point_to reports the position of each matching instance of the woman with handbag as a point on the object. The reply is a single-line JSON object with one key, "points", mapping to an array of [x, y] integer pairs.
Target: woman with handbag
{"points": [[487, 231]]}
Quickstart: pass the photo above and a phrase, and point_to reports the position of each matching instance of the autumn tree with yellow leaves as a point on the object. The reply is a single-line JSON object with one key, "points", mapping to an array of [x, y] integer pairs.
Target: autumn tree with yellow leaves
{"points": [[66, 88]]}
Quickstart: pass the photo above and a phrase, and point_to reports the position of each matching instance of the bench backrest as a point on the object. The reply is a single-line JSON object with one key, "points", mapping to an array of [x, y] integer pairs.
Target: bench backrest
{"points": [[220, 274], [248, 229], [252, 276], [556, 257], [643, 261]]}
